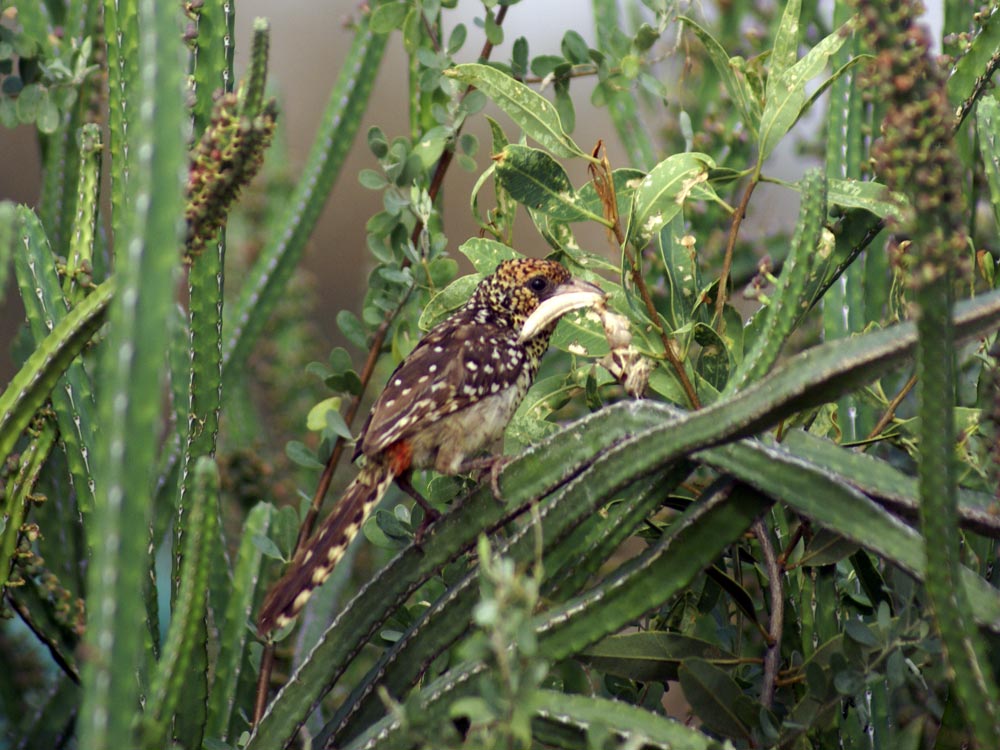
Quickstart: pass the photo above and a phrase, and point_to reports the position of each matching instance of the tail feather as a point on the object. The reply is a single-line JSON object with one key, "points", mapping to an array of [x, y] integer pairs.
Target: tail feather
{"points": [[315, 561]]}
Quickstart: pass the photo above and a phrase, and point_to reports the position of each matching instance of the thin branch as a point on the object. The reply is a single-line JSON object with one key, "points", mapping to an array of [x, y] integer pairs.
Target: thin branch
{"points": [[890, 412], [727, 261], [263, 682], [793, 542], [772, 657]]}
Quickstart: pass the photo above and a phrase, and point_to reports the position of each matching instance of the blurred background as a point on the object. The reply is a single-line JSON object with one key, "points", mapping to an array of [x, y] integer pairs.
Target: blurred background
{"points": [[309, 40]]}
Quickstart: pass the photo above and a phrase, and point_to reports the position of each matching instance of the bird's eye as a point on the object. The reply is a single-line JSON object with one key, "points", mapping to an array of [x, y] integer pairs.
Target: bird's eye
{"points": [[538, 283]]}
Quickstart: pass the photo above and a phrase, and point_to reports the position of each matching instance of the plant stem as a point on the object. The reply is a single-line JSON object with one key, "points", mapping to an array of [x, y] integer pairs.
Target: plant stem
{"points": [[776, 623], [727, 260], [890, 411]]}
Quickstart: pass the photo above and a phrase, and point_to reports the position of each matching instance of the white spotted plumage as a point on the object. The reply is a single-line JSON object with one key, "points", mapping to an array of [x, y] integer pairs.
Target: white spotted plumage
{"points": [[451, 398]]}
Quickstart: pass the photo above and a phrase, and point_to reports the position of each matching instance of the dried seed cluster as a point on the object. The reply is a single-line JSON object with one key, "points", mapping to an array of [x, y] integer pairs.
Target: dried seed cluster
{"points": [[227, 157], [915, 154]]}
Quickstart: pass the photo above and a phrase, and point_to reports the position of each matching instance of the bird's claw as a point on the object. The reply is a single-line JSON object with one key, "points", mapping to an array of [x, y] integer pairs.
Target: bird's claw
{"points": [[494, 465]]}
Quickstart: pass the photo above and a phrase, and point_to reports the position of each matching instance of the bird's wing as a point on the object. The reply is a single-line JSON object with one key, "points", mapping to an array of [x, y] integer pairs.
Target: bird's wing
{"points": [[454, 366]]}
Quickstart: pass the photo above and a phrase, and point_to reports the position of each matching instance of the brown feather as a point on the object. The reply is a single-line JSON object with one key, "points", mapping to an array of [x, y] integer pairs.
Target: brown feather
{"points": [[314, 562]]}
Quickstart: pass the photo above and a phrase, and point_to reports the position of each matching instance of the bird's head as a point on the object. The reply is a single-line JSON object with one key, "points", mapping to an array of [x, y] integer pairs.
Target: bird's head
{"points": [[530, 295]]}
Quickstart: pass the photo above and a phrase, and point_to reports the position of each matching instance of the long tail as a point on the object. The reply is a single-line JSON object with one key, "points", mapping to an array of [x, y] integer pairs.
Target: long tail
{"points": [[316, 560]]}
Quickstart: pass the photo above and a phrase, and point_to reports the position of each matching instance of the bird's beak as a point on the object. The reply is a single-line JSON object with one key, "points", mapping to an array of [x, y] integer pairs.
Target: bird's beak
{"points": [[572, 295]]}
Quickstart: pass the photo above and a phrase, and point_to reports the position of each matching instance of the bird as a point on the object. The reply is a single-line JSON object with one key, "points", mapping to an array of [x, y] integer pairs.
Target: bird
{"points": [[447, 401]]}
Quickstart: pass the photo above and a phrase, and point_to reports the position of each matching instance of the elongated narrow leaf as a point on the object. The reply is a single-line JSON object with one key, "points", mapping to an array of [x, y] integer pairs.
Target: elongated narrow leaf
{"points": [[622, 105], [31, 386], [538, 181], [234, 629], [873, 197], [786, 94], [836, 506], [717, 700], [791, 297], [629, 723], [885, 483], [786, 45], [187, 621], [147, 243], [535, 114], [649, 655], [45, 306], [662, 193], [736, 83]]}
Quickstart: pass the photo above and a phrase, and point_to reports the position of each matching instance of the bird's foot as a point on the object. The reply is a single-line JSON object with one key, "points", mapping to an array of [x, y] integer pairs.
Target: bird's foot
{"points": [[493, 465]]}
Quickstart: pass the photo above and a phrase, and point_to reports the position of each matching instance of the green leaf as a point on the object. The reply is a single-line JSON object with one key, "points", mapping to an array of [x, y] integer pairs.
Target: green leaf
{"points": [[683, 274], [266, 546], [316, 418], [446, 301], [735, 82], [456, 39], [486, 254], [661, 194], [352, 328], [432, 144], [626, 182], [334, 423], [649, 655], [536, 180], [826, 548], [713, 362], [29, 103], [584, 714], [717, 700], [860, 633], [388, 17], [786, 92], [873, 197], [575, 48], [786, 41], [301, 455], [535, 114]]}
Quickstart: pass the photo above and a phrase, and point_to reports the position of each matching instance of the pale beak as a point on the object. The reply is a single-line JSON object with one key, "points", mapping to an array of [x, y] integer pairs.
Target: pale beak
{"points": [[572, 295]]}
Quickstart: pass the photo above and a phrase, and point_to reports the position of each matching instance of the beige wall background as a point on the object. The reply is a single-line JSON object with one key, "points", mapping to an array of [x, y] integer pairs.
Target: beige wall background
{"points": [[309, 40]]}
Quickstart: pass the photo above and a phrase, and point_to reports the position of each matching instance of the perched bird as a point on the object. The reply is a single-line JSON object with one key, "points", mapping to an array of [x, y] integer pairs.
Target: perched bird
{"points": [[450, 399]]}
